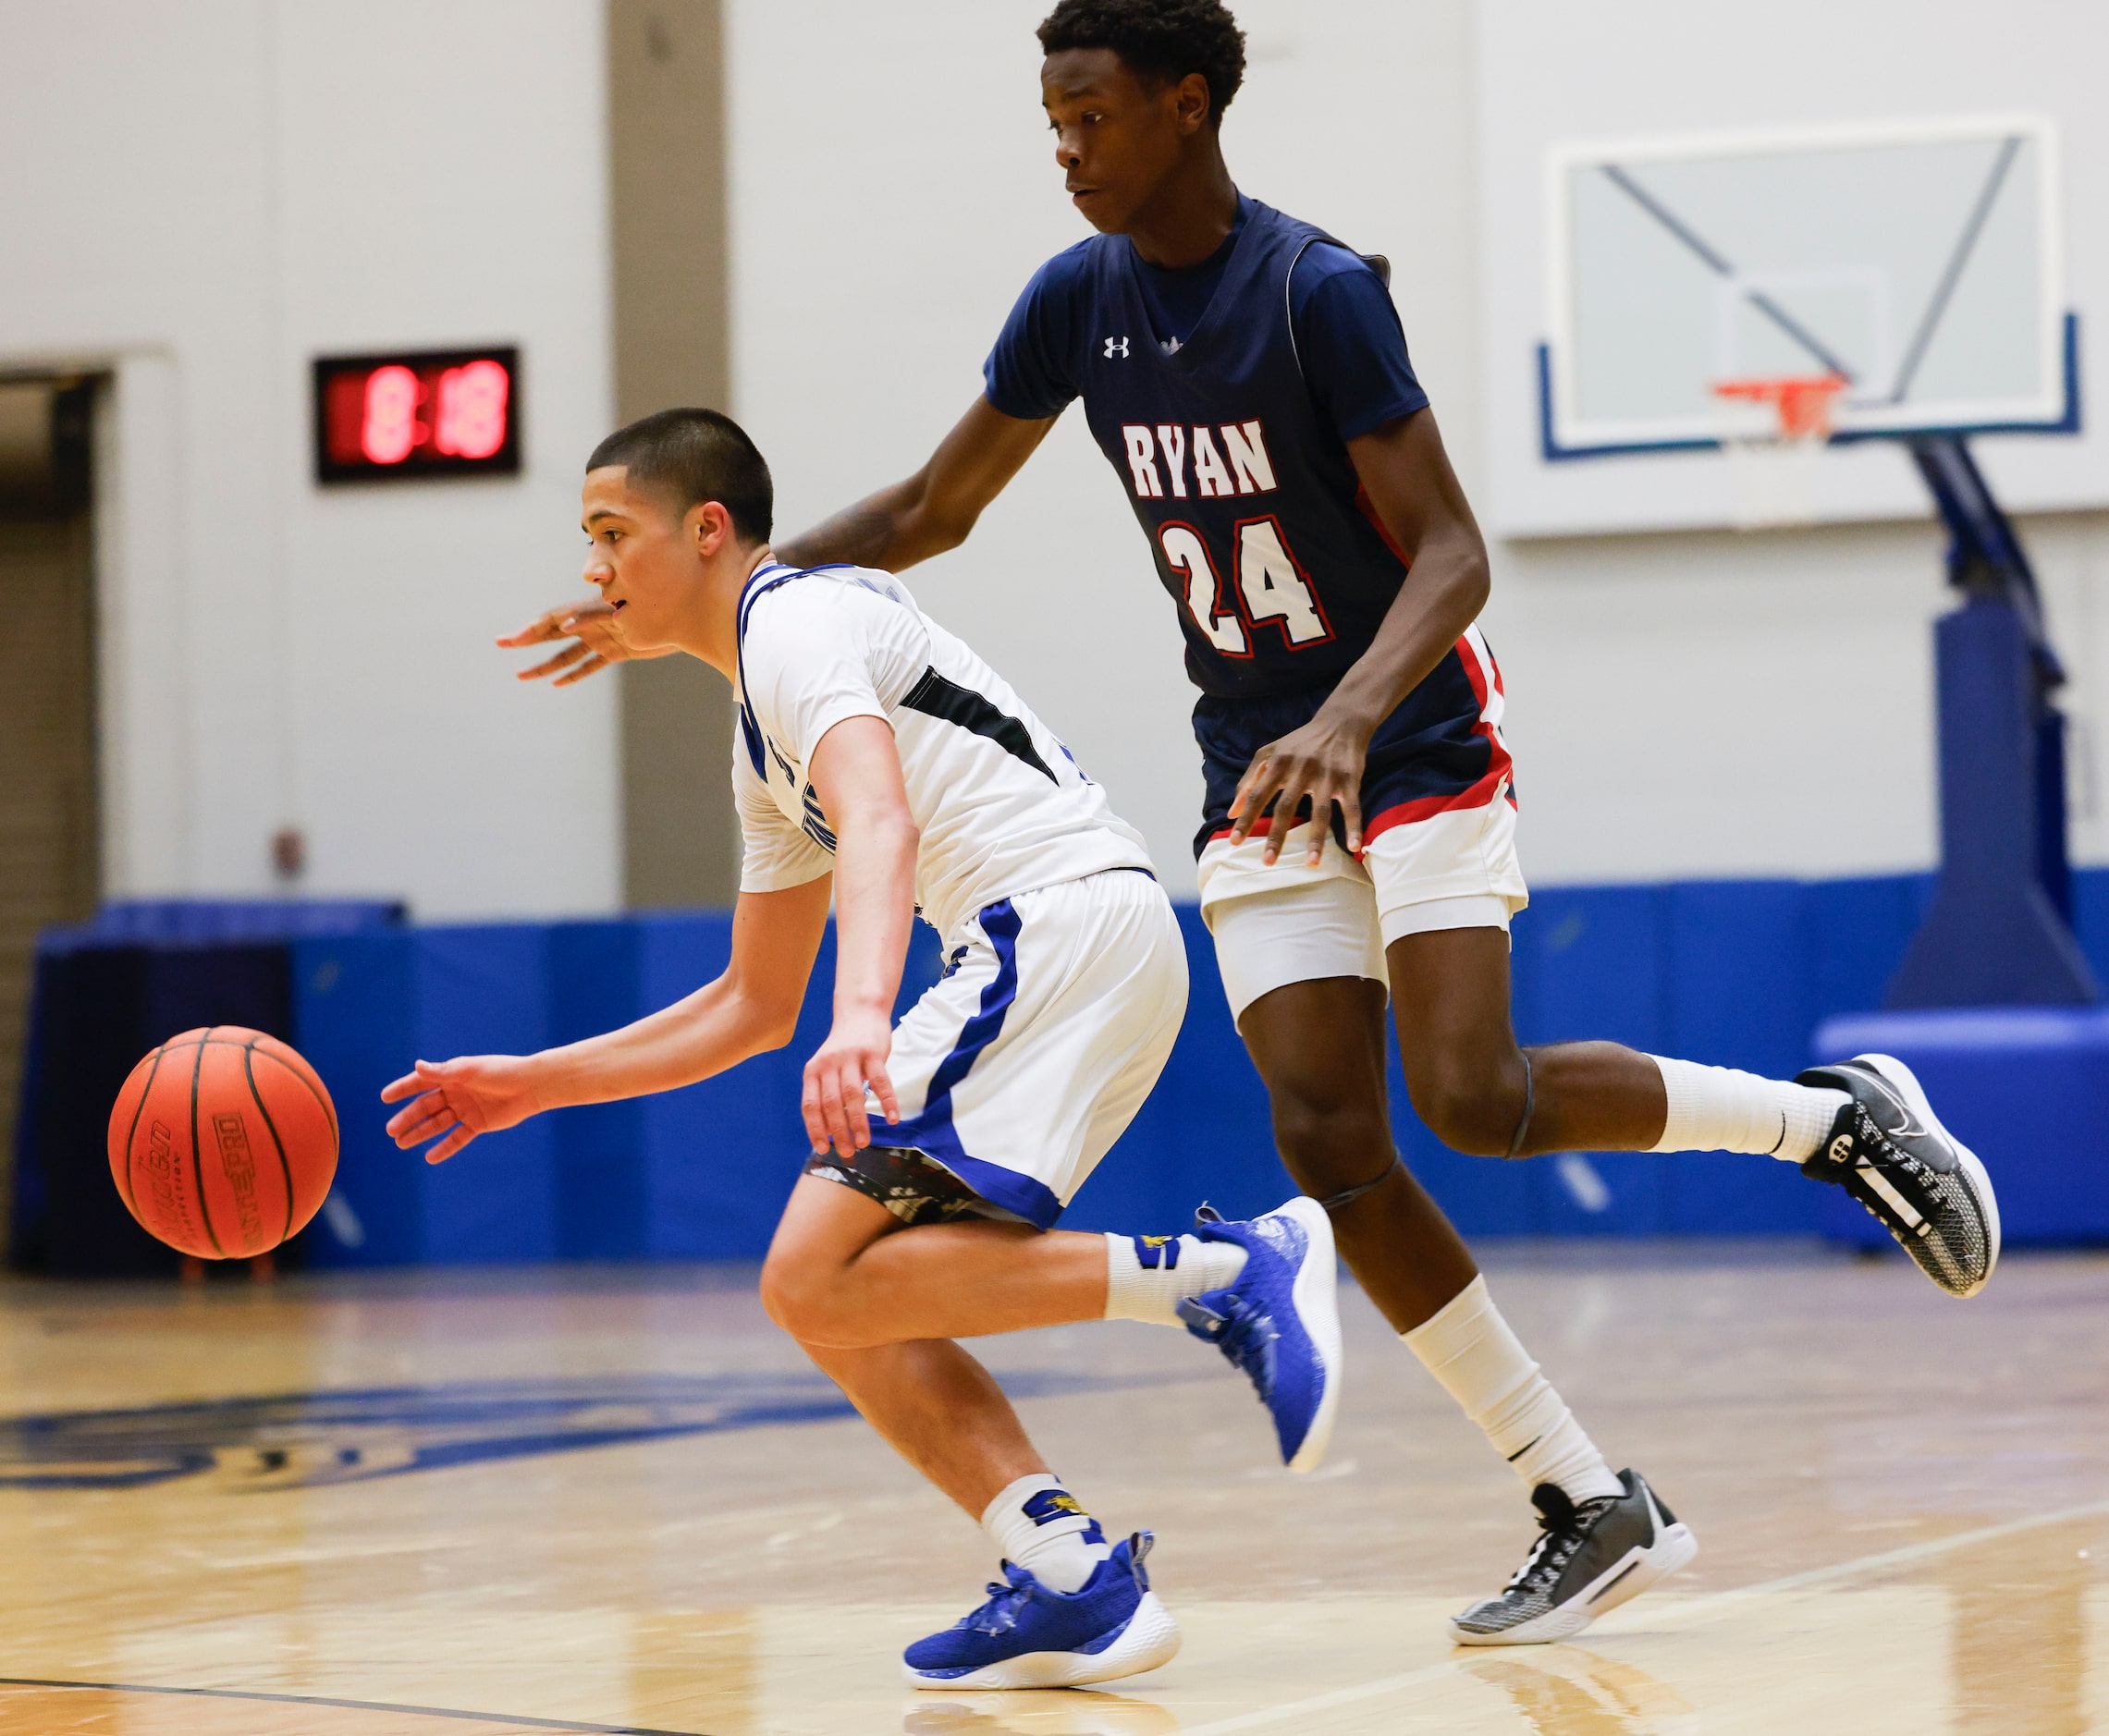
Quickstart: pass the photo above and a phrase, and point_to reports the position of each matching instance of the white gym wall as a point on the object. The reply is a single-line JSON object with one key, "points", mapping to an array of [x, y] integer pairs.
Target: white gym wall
{"points": [[323, 179]]}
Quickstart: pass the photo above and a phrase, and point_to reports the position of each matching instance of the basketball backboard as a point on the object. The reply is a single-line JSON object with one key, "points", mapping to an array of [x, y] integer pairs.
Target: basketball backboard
{"points": [[1921, 262]]}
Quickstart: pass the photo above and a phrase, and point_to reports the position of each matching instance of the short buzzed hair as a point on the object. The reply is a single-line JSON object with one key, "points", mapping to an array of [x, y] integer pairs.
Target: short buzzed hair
{"points": [[1158, 40], [691, 456]]}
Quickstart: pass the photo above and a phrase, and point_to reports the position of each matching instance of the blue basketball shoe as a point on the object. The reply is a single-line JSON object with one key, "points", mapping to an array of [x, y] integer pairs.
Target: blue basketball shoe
{"points": [[1279, 1321], [1027, 1636]]}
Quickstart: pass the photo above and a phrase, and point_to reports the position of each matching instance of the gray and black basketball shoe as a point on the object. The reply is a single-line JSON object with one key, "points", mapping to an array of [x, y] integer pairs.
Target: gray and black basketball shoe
{"points": [[1890, 1152], [1589, 1557]]}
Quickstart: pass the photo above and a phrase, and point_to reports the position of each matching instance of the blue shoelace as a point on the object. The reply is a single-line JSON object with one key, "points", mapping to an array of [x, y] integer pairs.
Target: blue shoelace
{"points": [[1000, 1614], [1242, 1331]]}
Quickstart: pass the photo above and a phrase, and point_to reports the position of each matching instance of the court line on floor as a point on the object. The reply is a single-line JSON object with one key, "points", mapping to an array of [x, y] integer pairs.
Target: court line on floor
{"points": [[518, 1720], [1701, 1608], [1704, 1606]]}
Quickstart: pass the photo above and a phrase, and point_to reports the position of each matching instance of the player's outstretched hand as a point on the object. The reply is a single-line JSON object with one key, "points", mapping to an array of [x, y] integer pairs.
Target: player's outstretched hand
{"points": [[833, 1101], [596, 632], [1322, 762], [454, 1101]]}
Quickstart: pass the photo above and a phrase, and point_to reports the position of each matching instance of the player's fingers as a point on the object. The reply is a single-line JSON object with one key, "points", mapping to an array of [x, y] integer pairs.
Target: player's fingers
{"points": [[809, 1110], [447, 1147], [563, 660], [1351, 817], [539, 631], [882, 1088], [1258, 788], [592, 665], [854, 1110], [1325, 795], [396, 1090], [1294, 788], [835, 1087], [422, 1108], [430, 1126]]}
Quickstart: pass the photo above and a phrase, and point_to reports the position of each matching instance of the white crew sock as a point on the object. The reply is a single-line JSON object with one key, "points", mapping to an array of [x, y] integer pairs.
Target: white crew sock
{"points": [[1469, 1349], [1147, 1277], [1721, 1109], [1038, 1525]]}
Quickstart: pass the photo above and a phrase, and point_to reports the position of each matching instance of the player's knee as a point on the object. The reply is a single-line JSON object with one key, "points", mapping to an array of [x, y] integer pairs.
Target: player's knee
{"points": [[802, 1297], [1470, 1108], [1326, 1139]]}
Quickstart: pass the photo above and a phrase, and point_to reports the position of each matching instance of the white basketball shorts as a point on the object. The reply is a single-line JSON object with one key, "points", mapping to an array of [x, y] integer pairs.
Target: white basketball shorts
{"points": [[1456, 868], [1019, 1068]]}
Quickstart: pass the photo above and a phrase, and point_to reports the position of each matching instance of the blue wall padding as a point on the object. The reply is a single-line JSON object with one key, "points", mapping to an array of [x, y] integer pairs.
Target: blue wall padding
{"points": [[2025, 1088], [1734, 972], [486, 990], [366, 1007], [355, 1013], [602, 1207], [720, 1157]]}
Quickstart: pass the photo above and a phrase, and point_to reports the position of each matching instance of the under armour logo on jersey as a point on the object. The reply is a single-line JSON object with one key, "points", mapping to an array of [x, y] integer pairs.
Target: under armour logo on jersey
{"points": [[1116, 347]]}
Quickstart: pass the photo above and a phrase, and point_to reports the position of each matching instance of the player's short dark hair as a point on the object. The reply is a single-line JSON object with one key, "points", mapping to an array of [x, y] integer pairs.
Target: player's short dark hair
{"points": [[1163, 39], [691, 456]]}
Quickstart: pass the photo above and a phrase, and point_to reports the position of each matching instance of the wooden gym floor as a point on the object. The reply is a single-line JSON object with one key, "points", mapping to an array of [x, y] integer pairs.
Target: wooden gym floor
{"points": [[597, 1500]]}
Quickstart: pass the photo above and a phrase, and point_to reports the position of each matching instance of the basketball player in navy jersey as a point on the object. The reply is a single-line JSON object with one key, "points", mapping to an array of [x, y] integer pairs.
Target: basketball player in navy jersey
{"points": [[1247, 379]]}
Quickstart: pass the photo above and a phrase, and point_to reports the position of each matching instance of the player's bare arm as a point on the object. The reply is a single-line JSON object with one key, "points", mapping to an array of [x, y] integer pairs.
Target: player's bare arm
{"points": [[1423, 510], [932, 510], [856, 774], [751, 1008]]}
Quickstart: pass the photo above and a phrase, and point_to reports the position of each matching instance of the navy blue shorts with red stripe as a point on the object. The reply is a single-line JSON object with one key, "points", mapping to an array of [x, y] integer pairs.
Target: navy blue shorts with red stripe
{"points": [[1441, 749]]}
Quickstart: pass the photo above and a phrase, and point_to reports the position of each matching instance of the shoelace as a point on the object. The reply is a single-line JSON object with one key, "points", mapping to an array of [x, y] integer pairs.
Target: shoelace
{"points": [[1000, 1614], [1557, 1540], [1245, 1334], [1891, 1154]]}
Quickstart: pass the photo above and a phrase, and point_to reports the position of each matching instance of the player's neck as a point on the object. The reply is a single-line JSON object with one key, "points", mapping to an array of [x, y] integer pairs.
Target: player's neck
{"points": [[1193, 210], [712, 634]]}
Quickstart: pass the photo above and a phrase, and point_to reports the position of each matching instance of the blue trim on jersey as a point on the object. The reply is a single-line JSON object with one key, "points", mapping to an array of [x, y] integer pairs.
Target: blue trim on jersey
{"points": [[932, 1131], [763, 580]]}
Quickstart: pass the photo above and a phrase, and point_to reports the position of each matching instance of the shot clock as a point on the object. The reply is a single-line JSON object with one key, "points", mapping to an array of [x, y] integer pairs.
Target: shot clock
{"points": [[426, 413]]}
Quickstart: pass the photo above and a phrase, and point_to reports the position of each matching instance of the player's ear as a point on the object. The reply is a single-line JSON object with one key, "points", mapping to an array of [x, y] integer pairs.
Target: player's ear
{"points": [[1192, 102], [708, 525]]}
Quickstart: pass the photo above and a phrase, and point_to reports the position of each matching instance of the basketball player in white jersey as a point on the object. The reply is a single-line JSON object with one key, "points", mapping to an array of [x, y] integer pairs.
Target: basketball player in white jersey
{"points": [[880, 758]]}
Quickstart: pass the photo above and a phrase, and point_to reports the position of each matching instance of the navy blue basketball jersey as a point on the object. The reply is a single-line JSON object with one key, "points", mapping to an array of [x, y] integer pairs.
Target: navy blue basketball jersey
{"points": [[1254, 514], [1233, 448]]}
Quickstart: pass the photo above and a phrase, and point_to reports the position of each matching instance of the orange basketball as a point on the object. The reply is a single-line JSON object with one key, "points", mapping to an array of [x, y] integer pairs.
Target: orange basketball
{"points": [[223, 1143]]}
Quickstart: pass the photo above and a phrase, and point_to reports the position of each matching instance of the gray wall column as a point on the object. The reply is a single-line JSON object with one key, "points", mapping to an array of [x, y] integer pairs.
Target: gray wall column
{"points": [[667, 149]]}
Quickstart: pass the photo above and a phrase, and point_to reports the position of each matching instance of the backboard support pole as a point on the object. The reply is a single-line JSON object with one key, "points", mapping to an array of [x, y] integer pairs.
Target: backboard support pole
{"points": [[1999, 932]]}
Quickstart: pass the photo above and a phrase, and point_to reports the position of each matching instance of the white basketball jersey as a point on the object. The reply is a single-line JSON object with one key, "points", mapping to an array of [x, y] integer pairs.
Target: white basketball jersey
{"points": [[1001, 806]]}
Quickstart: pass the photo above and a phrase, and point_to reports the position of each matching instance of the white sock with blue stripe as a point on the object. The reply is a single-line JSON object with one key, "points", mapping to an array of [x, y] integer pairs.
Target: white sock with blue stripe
{"points": [[1148, 1277], [1042, 1527]]}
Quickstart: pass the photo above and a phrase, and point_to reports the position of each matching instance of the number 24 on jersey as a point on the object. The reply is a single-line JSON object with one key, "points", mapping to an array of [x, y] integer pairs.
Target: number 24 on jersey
{"points": [[1271, 587]]}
